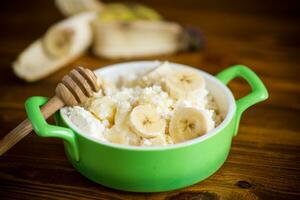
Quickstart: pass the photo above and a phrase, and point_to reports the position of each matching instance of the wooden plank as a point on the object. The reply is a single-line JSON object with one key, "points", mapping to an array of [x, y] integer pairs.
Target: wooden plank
{"points": [[264, 161]]}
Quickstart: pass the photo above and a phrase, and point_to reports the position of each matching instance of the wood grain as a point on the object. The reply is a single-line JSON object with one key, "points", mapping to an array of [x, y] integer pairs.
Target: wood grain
{"points": [[264, 161], [25, 127], [71, 91]]}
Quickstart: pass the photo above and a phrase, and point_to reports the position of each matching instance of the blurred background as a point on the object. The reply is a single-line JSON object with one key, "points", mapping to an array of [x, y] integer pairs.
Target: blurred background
{"points": [[261, 34], [241, 30], [265, 158]]}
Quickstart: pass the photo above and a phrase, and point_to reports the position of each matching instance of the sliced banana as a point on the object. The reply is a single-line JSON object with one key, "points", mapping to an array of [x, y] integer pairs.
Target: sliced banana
{"points": [[115, 135], [58, 41], [181, 84], [160, 70], [121, 132], [160, 140], [169, 139], [188, 123], [122, 135], [104, 108], [146, 121], [156, 75], [108, 87], [122, 112]]}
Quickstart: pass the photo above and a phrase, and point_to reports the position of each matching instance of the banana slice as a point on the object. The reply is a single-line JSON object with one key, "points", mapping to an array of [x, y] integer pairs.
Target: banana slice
{"points": [[122, 135], [109, 88], [35, 62], [104, 108], [121, 132], [146, 121], [184, 83], [115, 135], [122, 112], [188, 123], [160, 71], [156, 75], [169, 139], [57, 41], [160, 140]]}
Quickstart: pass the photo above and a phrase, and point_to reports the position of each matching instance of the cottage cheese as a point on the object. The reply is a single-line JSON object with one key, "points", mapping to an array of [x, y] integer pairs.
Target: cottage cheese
{"points": [[94, 117]]}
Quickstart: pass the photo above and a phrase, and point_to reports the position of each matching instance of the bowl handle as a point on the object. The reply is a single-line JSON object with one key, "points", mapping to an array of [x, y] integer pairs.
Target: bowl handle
{"points": [[258, 93], [43, 129]]}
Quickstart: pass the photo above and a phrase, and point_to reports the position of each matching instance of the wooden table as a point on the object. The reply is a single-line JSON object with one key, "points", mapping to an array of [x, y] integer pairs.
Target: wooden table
{"points": [[264, 162]]}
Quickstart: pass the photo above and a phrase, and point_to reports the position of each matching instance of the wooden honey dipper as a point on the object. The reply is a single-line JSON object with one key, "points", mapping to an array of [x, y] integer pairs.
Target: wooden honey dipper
{"points": [[75, 88]]}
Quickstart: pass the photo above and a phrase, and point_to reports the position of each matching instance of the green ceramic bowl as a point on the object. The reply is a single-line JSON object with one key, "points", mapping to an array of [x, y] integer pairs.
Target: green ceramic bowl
{"points": [[153, 169]]}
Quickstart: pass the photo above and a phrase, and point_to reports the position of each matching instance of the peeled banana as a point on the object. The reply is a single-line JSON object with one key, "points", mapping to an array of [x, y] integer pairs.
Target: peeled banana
{"points": [[118, 31], [184, 83], [119, 39], [62, 43], [104, 108], [57, 41]]}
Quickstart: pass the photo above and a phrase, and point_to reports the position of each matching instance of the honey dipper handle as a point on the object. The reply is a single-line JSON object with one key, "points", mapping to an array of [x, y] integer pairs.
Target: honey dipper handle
{"points": [[24, 128]]}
